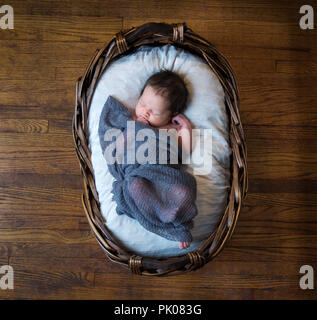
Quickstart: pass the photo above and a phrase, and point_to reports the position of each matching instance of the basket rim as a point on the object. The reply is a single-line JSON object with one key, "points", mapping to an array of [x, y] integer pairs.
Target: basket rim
{"points": [[123, 43]]}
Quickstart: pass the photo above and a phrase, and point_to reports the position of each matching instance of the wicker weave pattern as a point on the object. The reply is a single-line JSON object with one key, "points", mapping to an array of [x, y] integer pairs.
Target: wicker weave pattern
{"points": [[125, 42]]}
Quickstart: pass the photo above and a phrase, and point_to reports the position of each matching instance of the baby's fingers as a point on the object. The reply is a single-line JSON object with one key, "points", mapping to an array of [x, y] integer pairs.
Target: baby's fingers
{"points": [[178, 120]]}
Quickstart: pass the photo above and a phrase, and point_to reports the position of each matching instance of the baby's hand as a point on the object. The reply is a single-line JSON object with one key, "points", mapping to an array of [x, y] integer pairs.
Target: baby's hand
{"points": [[181, 122], [140, 119]]}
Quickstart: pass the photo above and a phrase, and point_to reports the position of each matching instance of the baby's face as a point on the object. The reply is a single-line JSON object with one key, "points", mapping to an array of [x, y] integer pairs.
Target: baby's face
{"points": [[152, 108]]}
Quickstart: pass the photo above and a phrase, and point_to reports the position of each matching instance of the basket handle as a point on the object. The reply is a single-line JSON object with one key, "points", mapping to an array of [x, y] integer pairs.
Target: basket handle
{"points": [[178, 32]]}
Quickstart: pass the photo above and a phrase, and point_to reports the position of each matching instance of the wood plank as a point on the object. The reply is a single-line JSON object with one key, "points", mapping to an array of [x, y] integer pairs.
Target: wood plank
{"points": [[25, 125], [61, 28], [281, 103], [307, 67], [253, 66], [276, 254], [292, 134], [71, 52], [33, 60], [37, 160], [295, 118], [44, 282], [43, 249], [26, 179], [260, 11], [39, 201], [274, 240], [66, 73], [285, 146], [55, 236], [3, 260], [15, 221], [255, 149], [63, 264], [282, 166], [61, 126], [36, 99], [26, 69], [291, 200], [277, 212], [262, 53], [46, 112], [31, 67], [272, 226], [292, 86], [41, 140], [283, 186]]}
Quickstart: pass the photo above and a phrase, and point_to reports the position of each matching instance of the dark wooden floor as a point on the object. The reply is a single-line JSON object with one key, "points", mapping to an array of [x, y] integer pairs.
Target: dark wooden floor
{"points": [[44, 234]]}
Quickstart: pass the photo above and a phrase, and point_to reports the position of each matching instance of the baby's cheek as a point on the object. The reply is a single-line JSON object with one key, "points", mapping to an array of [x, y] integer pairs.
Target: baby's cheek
{"points": [[160, 121]]}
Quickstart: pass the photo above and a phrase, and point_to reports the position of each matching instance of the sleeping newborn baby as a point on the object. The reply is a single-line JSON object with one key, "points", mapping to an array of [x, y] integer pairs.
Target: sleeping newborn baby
{"points": [[160, 196], [160, 105]]}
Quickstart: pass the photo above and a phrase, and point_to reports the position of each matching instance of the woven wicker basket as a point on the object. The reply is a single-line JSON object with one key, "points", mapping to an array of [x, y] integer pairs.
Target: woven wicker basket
{"points": [[123, 43]]}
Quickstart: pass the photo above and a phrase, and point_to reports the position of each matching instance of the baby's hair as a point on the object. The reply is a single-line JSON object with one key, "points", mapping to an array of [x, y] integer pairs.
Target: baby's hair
{"points": [[171, 86]]}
